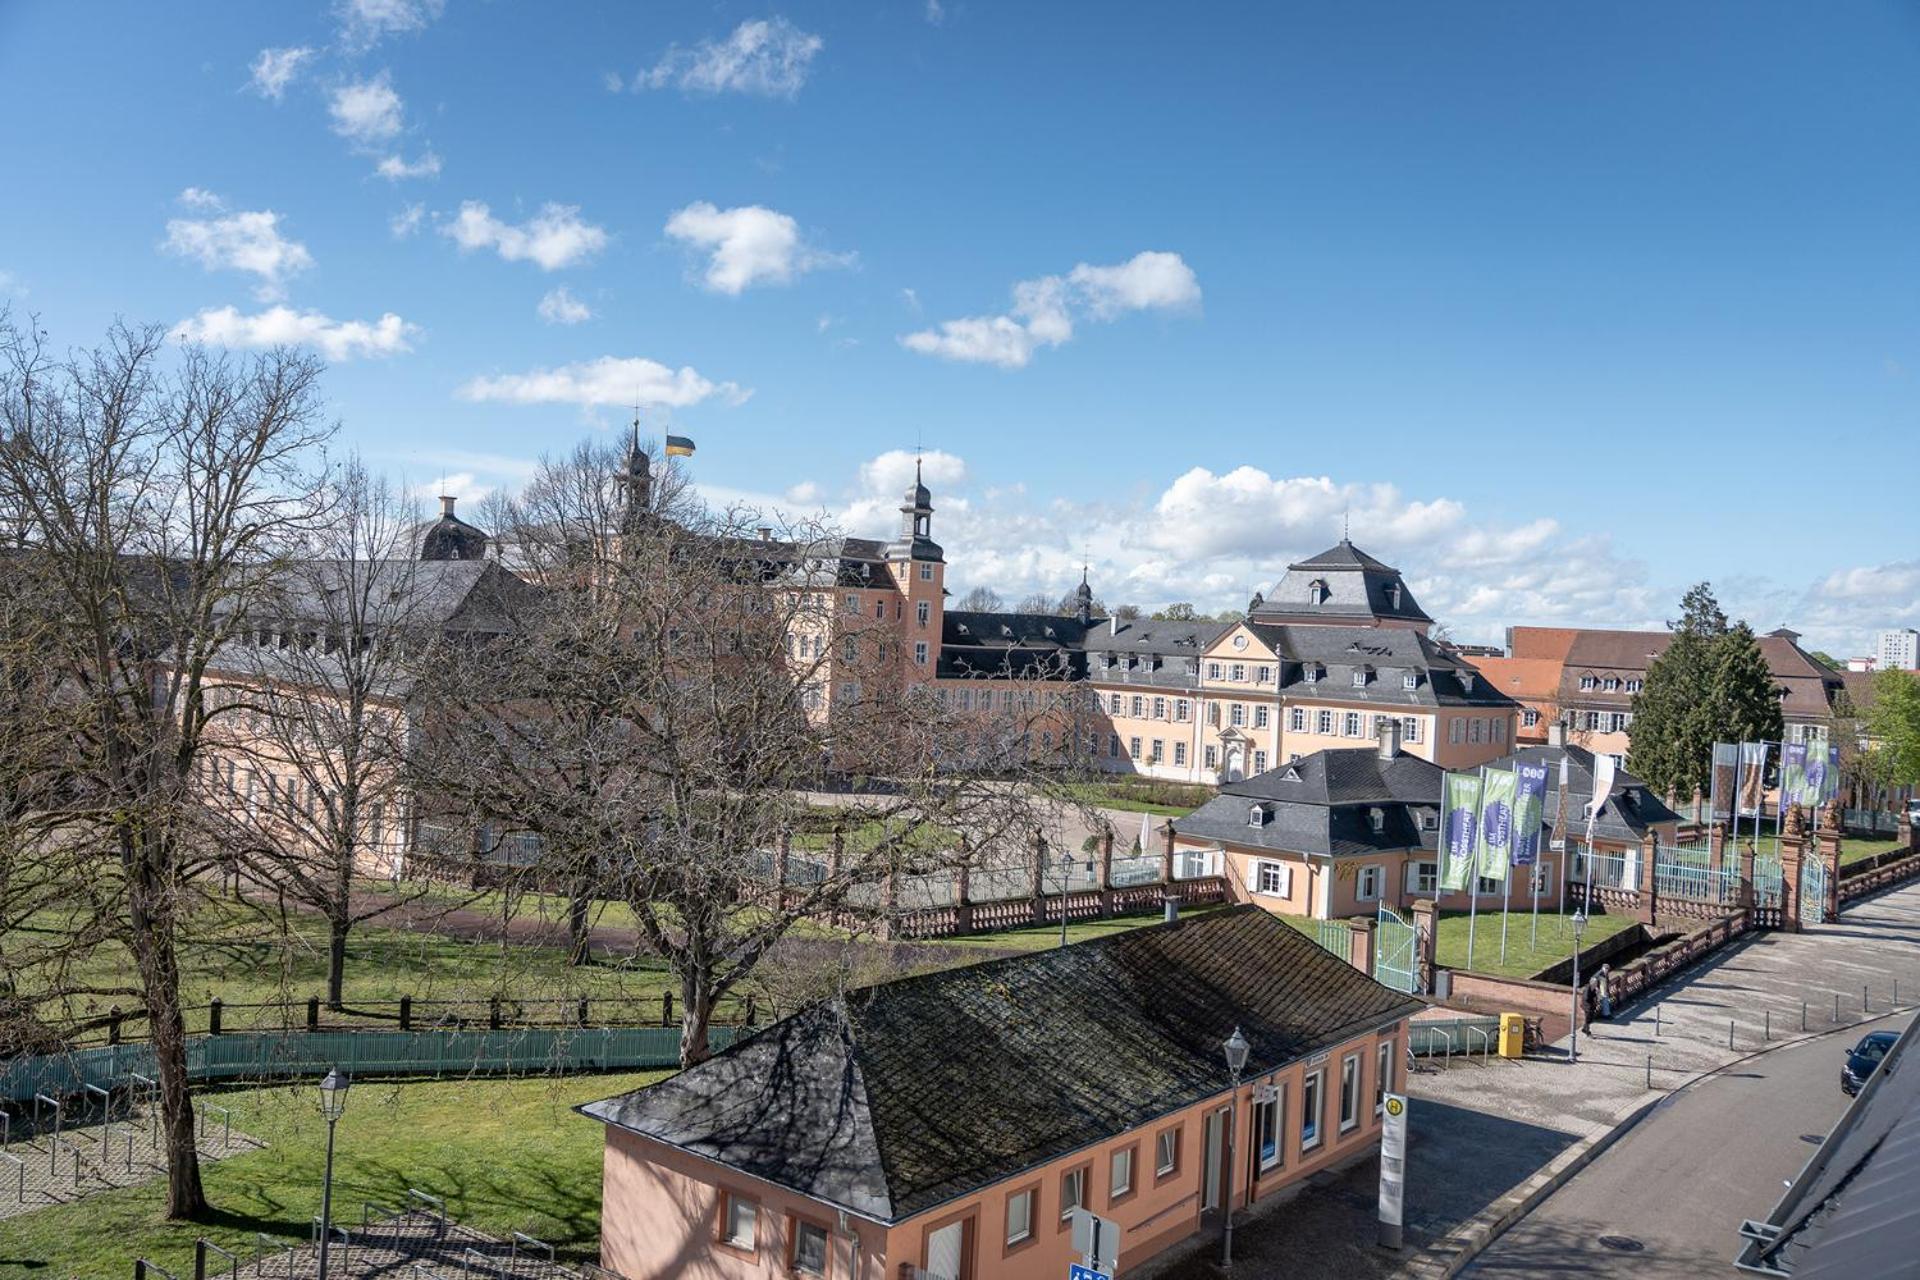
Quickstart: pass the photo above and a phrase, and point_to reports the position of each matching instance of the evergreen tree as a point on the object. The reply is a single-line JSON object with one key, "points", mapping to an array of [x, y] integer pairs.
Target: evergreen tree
{"points": [[1742, 703], [1674, 726]]}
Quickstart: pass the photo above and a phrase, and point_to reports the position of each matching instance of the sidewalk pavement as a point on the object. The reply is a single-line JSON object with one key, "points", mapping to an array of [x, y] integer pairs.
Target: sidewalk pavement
{"points": [[1489, 1140]]}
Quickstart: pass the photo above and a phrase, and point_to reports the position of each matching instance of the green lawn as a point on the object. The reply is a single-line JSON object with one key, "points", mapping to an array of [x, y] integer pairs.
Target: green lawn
{"points": [[1142, 795], [1856, 848], [506, 1155], [1522, 960]]}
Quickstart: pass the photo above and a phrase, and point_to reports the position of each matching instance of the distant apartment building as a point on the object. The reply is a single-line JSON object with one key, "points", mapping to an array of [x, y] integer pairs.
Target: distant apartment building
{"points": [[1898, 650]]}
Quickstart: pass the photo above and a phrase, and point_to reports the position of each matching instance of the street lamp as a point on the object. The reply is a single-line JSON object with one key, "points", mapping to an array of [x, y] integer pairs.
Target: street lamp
{"points": [[1579, 927], [333, 1101], [1236, 1050]]}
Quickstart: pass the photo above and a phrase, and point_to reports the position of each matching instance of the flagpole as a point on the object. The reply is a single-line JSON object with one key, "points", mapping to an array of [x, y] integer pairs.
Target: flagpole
{"points": [[1473, 868]]}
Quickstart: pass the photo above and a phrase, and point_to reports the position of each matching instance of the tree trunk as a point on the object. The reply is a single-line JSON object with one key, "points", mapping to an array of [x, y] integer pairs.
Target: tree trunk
{"points": [[579, 913], [696, 1016], [160, 978], [337, 927]]}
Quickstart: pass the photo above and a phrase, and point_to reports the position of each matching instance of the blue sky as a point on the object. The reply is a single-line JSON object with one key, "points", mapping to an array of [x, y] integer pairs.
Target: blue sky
{"points": [[1568, 305]]}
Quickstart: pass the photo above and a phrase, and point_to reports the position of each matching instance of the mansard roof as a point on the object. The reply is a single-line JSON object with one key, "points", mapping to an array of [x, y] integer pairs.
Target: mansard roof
{"points": [[1010, 644], [1323, 804], [1353, 585]]}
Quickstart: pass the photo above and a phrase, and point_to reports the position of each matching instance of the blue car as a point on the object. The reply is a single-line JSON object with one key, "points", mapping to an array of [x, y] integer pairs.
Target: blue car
{"points": [[1864, 1057]]}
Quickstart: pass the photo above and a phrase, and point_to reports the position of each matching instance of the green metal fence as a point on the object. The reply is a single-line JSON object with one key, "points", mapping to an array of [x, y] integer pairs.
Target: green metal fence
{"points": [[278, 1056]]}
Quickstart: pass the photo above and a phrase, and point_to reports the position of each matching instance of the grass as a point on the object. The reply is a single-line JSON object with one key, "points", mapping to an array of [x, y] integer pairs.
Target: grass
{"points": [[1859, 848], [1523, 960], [1143, 795], [507, 1155]]}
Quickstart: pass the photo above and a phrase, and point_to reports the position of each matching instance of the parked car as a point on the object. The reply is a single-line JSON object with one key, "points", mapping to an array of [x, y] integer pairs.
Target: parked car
{"points": [[1864, 1057]]}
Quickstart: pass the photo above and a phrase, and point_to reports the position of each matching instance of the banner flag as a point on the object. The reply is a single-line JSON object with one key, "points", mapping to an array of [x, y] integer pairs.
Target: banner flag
{"points": [[1833, 773], [1529, 812], [1495, 843], [1816, 788], [1793, 774], [1458, 831], [1602, 788], [1723, 781], [1753, 776]]}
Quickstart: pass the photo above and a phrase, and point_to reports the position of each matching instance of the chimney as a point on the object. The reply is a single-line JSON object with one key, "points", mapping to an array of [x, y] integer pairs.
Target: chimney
{"points": [[1557, 734], [446, 505], [1389, 737], [1113, 626], [766, 533]]}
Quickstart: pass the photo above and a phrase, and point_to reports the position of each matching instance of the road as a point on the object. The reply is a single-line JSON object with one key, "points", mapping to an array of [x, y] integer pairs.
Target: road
{"points": [[1679, 1183]]}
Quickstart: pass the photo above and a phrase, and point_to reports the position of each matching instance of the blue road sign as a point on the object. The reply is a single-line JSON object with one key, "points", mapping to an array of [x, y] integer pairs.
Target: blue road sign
{"points": [[1078, 1272]]}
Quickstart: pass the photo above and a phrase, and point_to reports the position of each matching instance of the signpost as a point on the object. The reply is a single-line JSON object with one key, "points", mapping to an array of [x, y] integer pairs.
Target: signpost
{"points": [[1393, 1168], [1097, 1241]]}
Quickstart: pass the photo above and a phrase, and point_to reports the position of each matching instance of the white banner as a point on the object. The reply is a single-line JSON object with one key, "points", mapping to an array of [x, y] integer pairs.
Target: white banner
{"points": [[1393, 1167]]}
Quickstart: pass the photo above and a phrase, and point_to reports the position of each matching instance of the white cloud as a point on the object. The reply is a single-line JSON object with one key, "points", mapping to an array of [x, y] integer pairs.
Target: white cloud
{"points": [[407, 221], [364, 23], [463, 485], [610, 380], [555, 237], [747, 246], [804, 494], [366, 112], [765, 56], [1045, 309], [278, 326], [612, 81], [559, 306], [275, 69], [201, 198], [1882, 582], [10, 286], [244, 241], [395, 168], [936, 12]]}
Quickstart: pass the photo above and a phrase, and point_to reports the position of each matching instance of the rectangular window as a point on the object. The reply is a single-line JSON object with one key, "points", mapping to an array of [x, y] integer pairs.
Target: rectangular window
{"points": [[1113, 704], [1360, 676], [1259, 762], [1297, 719], [920, 652], [1500, 729], [1019, 1216], [1323, 722], [1238, 672], [1138, 707], [1273, 879], [1120, 1173], [1382, 1076], [1349, 1091], [1542, 879], [1266, 1127], [1529, 717], [853, 604], [1179, 753], [809, 1248], [1181, 710], [1159, 708], [1350, 725], [743, 1216], [1213, 671], [1212, 757], [1370, 878], [1310, 1107], [923, 612], [1113, 745], [1410, 729], [1488, 886], [1073, 1191], [1159, 748], [1263, 675], [1166, 1153], [880, 609], [1586, 682], [1476, 730], [1410, 680], [1237, 715], [926, 572], [1133, 748], [1259, 717], [1422, 877], [1593, 721]]}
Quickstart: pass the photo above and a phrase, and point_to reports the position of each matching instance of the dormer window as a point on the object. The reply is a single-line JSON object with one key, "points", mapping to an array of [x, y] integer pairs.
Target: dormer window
{"points": [[1611, 684], [1377, 819], [1106, 660], [1393, 593], [1317, 592], [1411, 680], [1361, 675], [1310, 672], [1257, 815], [1586, 683]]}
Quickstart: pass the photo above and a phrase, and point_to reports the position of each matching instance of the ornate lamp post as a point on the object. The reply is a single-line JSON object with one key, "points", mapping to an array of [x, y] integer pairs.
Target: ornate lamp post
{"points": [[333, 1101], [1236, 1050]]}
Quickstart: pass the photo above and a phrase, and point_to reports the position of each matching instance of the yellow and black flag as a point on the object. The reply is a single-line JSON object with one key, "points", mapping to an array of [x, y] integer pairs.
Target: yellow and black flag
{"points": [[679, 446]]}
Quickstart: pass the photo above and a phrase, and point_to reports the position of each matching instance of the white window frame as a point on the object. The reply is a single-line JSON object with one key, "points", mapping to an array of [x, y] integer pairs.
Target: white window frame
{"points": [[926, 571], [1282, 884], [1025, 1200], [920, 652], [1180, 753], [1166, 1152], [1411, 680], [1313, 1107], [1120, 1173], [1260, 717], [1350, 1085], [1323, 723], [1237, 715], [736, 1203], [1368, 885], [1259, 761], [1268, 1120], [1423, 876], [1382, 1075], [826, 1248], [1410, 729], [923, 612], [1077, 1179], [1351, 725], [1297, 719], [1529, 718]]}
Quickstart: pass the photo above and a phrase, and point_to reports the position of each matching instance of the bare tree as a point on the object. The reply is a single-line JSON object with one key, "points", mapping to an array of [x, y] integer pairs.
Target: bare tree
{"points": [[312, 750], [980, 600], [659, 715], [153, 498]]}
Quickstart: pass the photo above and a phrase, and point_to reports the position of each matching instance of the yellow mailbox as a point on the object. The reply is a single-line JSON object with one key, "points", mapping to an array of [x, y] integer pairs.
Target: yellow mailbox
{"points": [[1513, 1035]]}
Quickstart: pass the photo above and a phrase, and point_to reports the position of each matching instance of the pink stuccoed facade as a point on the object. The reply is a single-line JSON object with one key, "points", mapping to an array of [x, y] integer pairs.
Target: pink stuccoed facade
{"points": [[666, 1213]]}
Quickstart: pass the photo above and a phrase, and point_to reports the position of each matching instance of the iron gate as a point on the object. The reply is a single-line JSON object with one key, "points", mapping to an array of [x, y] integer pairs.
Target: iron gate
{"points": [[1813, 891], [1396, 957]]}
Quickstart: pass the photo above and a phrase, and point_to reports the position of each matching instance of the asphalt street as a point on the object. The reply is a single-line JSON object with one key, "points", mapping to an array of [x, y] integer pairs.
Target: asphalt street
{"points": [[1668, 1198]]}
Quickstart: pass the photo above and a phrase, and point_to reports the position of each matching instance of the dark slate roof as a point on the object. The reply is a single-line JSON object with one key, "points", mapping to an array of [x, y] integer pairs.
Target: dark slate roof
{"points": [[1358, 586], [1002, 644], [1386, 654], [1852, 1212], [1149, 652], [1632, 807], [1323, 804], [897, 1098]]}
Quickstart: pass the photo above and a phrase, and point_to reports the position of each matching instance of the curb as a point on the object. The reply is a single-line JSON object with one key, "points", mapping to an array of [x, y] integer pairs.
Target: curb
{"points": [[1447, 1258]]}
